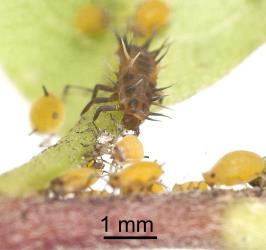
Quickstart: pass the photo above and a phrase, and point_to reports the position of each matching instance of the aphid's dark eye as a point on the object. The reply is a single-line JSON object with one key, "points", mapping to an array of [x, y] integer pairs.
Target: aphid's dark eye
{"points": [[55, 115], [212, 175]]}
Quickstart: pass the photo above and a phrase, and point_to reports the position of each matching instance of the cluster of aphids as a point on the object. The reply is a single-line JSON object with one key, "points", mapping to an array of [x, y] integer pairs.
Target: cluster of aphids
{"points": [[117, 161], [134, 92]]}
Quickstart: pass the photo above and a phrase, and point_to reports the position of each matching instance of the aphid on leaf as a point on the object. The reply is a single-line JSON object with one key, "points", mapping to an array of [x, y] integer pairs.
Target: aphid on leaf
{"points": [[47, 113], [150, 16], [74, 181], [136, 177], [189, 186], [128, 149], [135, 88], [237, 167], [91, 19]]}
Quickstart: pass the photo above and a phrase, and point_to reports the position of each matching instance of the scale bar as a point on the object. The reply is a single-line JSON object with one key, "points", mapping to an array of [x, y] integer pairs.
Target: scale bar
{"points": [[124, 237]]}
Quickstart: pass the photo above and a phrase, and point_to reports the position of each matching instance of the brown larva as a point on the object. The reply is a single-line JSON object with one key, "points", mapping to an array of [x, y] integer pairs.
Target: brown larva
{"points": [[135, 88]]}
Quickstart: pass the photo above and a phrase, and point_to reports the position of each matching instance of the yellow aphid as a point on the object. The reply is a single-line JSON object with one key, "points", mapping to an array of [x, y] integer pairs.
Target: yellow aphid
{"points": [[189, 186], [47, 113], [75, 180], [90, 19], [237, 167], [151, 16], [128, 149], [136, 177], [156, 187]]}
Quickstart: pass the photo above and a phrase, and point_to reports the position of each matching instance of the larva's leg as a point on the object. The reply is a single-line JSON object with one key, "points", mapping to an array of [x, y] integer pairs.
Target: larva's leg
{"points": [[96, 100], [69, 86], [101, 87], [104, 109]]}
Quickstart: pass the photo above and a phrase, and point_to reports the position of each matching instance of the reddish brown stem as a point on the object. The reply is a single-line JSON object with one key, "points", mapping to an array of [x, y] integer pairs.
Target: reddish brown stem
{"points": [[182, 220]]}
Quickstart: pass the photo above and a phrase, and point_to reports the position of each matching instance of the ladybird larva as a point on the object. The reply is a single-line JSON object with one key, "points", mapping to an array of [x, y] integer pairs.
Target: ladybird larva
{"points": [[135, 87]]}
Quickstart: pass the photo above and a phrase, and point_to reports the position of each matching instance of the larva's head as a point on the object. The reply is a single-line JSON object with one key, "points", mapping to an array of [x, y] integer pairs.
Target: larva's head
{"points": [[131, 122]]}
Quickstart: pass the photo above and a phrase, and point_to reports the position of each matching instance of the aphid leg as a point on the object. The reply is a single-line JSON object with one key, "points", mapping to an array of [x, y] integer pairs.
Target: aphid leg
{"points": [[104, 109], [96, 100], [46, 93], [69, 86], [46, 142], [33, 132]]}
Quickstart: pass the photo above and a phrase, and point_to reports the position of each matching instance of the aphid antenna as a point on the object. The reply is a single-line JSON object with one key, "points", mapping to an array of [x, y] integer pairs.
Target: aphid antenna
{"points": [[134, 59], [46, 93], [33, 132], [135, 84], [159, 114]]}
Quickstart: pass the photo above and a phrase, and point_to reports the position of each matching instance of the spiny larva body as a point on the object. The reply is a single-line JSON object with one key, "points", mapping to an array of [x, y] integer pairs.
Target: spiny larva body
{"points": [[135, 88]]}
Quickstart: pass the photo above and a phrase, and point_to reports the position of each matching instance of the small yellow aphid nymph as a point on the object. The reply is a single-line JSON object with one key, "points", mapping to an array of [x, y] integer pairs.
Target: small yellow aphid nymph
{"points": [[90, 19], [190, 186], [136, 177], [47, 113], [151, 16], [237, 167], [156, 188], [74, 181], [128, 149]]}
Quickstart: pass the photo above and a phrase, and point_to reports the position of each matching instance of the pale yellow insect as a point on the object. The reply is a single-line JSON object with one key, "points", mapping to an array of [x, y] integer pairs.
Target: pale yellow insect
{"points": [[136, 177], [90, 19], [75, 180], [47, 113], [151, 16], [237, 167], [156, 187], [128, 149], [189, 186]]}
